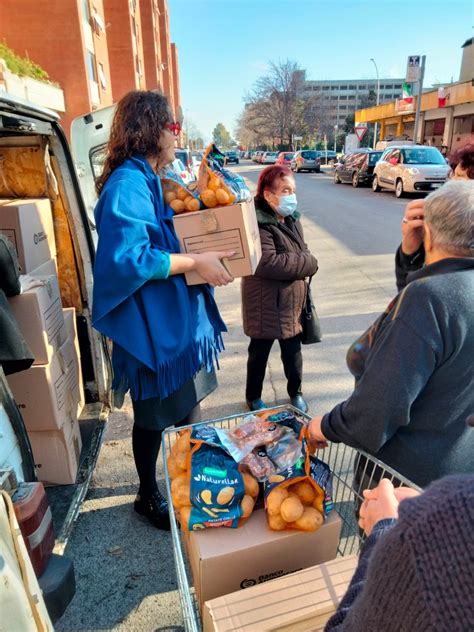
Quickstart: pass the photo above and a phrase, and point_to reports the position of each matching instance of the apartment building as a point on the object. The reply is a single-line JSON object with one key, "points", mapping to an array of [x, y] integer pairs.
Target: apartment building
{"points": [[96, 50], [67, 39], [340, 98]]}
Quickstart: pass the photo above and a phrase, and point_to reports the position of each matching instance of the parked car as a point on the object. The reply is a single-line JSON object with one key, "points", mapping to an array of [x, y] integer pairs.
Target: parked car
{"points": [[285, 158], [410, 169], [357, 167], [196, 159], [37, 152], [327, 157], [232, 156], [306, 160], [257, 156], [185, 156], [269, 158], [182, 172]]}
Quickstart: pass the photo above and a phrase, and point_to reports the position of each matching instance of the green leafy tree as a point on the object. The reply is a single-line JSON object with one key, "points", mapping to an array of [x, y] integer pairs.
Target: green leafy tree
{"points": [[222, 137]]}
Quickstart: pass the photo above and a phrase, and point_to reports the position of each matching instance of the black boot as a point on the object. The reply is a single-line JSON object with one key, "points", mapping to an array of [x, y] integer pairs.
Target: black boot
{"points": [[155, 508]]}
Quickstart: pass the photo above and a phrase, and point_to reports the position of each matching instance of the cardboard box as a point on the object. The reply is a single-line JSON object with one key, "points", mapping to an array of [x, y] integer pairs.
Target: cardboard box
{"points": [[46, 269], [48, 395], [39, 314], [298, 602], [71, 330], [226, 560], [29, 226], [232, 227], [57, 453]]}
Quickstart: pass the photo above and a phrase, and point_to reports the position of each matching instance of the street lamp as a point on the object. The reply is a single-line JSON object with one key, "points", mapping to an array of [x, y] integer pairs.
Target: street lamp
{"points": [[378, 97]]}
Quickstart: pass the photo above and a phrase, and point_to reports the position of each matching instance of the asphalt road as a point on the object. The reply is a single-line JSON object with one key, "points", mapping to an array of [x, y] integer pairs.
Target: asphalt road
{"points": [[124, 568]]}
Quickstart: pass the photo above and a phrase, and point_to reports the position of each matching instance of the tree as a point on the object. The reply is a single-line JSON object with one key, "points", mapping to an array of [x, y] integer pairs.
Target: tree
{"points": [[222, 137], [274, 105]]}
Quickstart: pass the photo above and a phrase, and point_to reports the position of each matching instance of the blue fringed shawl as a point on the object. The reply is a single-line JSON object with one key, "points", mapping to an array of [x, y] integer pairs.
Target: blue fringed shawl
{"points": [[163, 330]]}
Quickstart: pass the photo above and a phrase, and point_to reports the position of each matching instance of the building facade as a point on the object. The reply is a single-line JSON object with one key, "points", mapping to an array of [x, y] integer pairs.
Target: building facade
{"points": [[96, 50], [446, 122], [338, 99], [75, 56]]}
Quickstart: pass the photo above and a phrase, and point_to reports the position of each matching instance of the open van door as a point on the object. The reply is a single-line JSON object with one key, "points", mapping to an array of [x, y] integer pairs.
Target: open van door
{"points": [[89, 138]]}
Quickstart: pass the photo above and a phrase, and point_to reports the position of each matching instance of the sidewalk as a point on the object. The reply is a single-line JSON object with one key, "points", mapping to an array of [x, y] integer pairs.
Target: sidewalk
{"points": [[124, 568]]}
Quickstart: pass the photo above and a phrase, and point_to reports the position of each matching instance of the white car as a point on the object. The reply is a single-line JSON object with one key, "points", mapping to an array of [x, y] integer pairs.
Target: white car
{"points": [[410, 169], [269, 158], [181, 170]]}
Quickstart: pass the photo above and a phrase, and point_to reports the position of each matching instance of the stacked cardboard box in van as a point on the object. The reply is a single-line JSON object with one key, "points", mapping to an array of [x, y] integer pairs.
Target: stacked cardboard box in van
{"points": [[50, 394]]}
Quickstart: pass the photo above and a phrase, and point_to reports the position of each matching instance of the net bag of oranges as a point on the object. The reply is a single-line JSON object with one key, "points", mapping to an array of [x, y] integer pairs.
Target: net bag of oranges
{"points": [[218, 186], [181, 197]]}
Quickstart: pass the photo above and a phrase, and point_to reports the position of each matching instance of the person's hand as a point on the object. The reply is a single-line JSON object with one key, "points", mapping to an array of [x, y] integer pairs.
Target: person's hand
{"points": [[379, 503], [209, 266], [316, 438], [412, 226]]}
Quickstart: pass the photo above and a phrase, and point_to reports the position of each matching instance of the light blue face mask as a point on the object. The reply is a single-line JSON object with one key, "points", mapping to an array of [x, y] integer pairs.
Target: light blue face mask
{"points": [[287, 205]]}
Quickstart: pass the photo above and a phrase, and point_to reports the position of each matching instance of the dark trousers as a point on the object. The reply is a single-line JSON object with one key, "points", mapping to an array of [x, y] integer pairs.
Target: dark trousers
{"points": [[292, 359], [146, 447]]}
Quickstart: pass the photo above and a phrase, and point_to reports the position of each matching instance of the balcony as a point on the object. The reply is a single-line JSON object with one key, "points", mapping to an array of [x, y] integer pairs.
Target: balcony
{"points": [[38, 92]]}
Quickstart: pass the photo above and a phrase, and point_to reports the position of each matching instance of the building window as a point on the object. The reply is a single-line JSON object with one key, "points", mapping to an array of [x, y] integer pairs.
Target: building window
{"points": [[138, 66], [334, 98], [85, 11], [102, 78], [353, 87], [326, 88], [99, 26], [334, 88], [343, 97], [343, 87], [91, 68]]}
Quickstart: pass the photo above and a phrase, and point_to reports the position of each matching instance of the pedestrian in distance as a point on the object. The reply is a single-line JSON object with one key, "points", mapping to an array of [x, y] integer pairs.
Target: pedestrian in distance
{"points": [[416, 566], [413, 367], [166, 335], [273, 298], [410, 255]]}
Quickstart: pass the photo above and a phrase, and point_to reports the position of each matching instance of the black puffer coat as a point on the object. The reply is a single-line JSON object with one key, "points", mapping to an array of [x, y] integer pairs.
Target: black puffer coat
{"points": [[273, 298]]}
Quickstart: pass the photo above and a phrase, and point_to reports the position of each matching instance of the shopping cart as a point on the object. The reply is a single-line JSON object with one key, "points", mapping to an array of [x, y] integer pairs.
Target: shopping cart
{"points": [[353, 471]]}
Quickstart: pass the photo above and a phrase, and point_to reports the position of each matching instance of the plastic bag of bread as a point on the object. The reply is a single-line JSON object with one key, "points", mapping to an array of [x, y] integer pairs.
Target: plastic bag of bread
{"points": [[218, 186], [300, 496], [207, 487], [181, 197]]}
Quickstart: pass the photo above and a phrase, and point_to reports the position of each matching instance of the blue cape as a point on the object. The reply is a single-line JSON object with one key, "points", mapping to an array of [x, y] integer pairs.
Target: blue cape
{"points": [[165, 330]]}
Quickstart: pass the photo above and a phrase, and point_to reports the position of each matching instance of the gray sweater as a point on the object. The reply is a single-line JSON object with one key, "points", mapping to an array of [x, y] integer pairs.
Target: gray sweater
{"points": [[417, 576], [417, 388]]}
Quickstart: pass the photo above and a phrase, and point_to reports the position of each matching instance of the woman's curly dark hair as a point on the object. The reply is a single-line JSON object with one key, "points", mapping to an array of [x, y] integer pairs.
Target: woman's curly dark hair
{"points": [[139, 121], [464, 155]]}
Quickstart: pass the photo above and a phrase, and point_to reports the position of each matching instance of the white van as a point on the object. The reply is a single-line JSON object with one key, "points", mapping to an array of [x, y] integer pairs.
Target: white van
{"points": [[36, 161]]}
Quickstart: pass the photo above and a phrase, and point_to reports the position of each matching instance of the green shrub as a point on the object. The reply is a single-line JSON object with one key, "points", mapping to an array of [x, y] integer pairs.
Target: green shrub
{"points": [[21, 66]]}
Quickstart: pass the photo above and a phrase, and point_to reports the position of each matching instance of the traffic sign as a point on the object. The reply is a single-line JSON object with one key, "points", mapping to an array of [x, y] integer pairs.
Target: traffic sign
{"points": [[360, 131], [413, 69]]}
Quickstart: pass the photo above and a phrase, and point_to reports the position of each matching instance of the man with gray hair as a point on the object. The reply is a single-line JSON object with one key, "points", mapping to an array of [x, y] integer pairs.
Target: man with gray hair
{"points": [[414, 367]]}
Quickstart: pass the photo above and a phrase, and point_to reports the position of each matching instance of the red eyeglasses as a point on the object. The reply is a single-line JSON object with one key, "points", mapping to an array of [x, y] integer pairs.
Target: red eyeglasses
{"points": [[174, 128]]}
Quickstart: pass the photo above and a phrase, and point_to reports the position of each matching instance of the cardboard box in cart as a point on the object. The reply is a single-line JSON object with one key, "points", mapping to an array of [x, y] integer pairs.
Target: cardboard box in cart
{"points": [[299, 602], [231, 227], [28, 224], [226, 560]]}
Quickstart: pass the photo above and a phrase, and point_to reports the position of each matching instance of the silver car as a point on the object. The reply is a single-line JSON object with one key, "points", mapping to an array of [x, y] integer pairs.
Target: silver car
{"points": [[269, 158], [306, 160], [410, 169]]}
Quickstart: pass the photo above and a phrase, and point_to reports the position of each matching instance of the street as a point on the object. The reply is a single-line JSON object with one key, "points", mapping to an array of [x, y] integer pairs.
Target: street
{"points": [[124, 568]]}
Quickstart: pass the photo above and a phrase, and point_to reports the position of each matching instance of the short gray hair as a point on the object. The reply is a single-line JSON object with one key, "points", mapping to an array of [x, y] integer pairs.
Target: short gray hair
{"points": [[449, 212]]}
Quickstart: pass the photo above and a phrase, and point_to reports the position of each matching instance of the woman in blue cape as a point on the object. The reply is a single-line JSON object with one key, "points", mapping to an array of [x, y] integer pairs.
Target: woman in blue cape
{"points": [[166, 335]]}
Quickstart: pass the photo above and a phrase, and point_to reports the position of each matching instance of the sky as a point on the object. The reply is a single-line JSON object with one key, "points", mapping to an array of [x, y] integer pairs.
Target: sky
{"points": [[225, 45]]}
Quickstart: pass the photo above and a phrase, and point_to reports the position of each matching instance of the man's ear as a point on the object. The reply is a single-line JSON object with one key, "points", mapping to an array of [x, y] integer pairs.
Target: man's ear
{"points": [[427, 238]]}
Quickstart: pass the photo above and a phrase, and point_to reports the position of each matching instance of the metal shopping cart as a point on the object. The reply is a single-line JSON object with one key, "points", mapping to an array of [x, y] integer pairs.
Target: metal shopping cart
{"points": [[353, 471]]}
